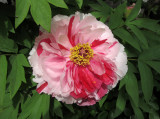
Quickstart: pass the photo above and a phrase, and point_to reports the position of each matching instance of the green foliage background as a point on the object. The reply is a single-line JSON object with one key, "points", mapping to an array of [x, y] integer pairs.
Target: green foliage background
{"points": [[135, 97]]}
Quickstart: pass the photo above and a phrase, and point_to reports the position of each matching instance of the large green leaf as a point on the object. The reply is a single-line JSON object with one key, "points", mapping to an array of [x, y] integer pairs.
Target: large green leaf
{"points": [[3, 74], [153, 53], [139, 35], [58, 3], [22, 8], [10, 108], [134, 13], [120, 104], [36, 107], [132, 87], [102, 10], [146, 23], [17, 74], [41, 13], [153, 38], [137, 111], [146, 80], [8, 45], [154, 64], [126, 36], [58, 108], [116, 17]]}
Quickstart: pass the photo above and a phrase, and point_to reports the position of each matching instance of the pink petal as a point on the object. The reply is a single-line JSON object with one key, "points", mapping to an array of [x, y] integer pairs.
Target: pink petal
{"points": [[97, 66], [70, 31], [39, 48], [39, 89], [96, 43], [102, 91]]}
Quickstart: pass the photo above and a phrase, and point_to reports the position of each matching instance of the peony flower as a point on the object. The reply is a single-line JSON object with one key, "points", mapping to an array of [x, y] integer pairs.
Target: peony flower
{"points": [[79, 61]]}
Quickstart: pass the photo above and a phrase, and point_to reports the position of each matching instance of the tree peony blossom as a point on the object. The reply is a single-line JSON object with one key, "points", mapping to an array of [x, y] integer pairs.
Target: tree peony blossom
{"points": [[79, 61]]}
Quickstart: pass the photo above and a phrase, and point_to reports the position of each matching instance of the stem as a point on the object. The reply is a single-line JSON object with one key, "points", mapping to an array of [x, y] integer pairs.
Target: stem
{"points": [[132, 59]]}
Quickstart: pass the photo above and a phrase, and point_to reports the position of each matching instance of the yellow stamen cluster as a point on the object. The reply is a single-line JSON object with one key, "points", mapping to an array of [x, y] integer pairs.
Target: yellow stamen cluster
{"points": [[81, 54]]}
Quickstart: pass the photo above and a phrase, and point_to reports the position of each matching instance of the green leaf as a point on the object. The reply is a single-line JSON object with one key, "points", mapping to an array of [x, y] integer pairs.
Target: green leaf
{"points": [[153, 38], [146, 80], [70, 107], [154, 64], [102, 10], [116, 17], [3, 75], [45, 105], [36, 107], [101, 102], [134, 13], [132, 87], [41, 13], [137, 111], [139, 35], [57, 108], [126, 36], [79, 2], [120, 104], [8, 45], [22, 8], [17, 74], [149, 24], [58, 3], [153, 53], [144, 106], [10, 108], [103, 115]]}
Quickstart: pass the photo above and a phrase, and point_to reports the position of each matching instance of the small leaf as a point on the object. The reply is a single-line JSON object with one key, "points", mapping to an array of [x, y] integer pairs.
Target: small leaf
{"points": [[126, 36], [22, 8], [120, 104], [134, 13], [3, 74], [116, 17], [101, 102], [79, 2], [41, 13], [139, 35], [58, 3], [57, 108], [146, 80], [132, 87]]}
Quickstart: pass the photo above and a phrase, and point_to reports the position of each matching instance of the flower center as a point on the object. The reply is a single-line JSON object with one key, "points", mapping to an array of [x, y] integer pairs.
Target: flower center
{"points": [[81, 54]]}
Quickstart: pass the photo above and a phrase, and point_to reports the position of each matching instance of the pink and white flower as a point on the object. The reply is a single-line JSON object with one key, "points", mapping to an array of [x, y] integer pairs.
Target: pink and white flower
{"points": [[79, 61]]}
